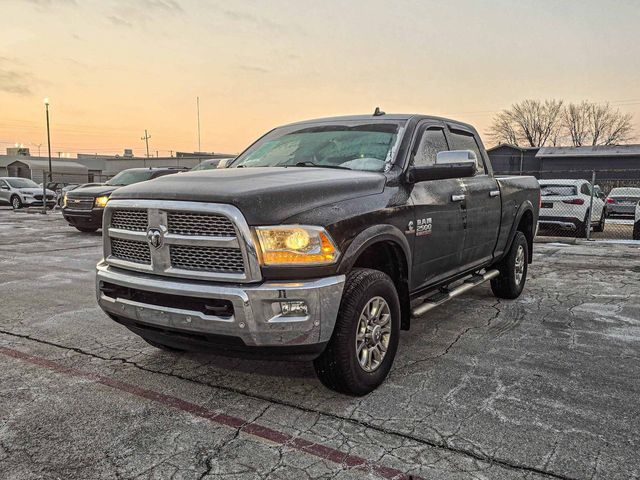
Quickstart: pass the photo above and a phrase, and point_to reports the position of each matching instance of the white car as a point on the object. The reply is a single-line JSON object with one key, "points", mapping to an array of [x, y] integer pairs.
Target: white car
{"points": [[566, 205], [20, 192], [636, 224]]}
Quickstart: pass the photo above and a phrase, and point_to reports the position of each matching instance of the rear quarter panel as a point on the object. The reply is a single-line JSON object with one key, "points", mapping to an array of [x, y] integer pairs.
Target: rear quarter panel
{"points": [[519, 194]]}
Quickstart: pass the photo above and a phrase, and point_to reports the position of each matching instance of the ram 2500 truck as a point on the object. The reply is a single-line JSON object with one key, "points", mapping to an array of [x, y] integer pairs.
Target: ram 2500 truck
{"points": [[321, 241]]}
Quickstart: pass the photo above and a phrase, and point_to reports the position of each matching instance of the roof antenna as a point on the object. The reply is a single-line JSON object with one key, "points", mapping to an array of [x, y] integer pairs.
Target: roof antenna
{"points": [[377, 112]]}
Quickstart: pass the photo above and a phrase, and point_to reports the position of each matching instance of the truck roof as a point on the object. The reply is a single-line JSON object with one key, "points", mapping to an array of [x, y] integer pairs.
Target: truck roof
{"points": [[394, 117]]}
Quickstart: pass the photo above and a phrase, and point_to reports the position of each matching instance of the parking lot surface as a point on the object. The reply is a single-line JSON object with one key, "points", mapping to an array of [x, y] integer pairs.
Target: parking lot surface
{"points": [[545, 386]]}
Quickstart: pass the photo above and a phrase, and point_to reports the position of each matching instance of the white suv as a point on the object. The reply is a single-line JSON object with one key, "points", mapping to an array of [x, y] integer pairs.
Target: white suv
{"points": [[565, 205], [20, 192]]}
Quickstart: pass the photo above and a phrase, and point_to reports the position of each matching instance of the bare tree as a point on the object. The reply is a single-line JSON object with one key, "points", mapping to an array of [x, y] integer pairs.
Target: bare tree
{"points": [[531, 122], [608, 126], [575, 120]]}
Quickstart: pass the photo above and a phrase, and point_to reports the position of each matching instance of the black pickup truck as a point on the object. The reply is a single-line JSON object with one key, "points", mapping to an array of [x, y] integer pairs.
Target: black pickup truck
{"points": [[83, 207], [321, 242]]}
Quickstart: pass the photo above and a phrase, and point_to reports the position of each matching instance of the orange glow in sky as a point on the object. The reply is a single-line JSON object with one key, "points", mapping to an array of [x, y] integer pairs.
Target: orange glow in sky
{"points": [[114, 68]]}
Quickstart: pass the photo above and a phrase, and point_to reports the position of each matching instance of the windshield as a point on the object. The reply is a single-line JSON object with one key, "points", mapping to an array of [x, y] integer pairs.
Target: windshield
{"points": [[22, 183], [207, 165], [352, 145], [564, 190], [629, 191], [127, 177]]}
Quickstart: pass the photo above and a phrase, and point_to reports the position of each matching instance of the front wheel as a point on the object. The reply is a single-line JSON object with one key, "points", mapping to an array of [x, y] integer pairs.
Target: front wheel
{"points": [[365, 337], [16, 203], [513, 270], [636, 230], [87, 229]]}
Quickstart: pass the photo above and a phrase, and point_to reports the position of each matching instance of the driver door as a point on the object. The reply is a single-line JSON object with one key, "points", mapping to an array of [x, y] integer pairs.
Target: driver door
{"points": [[438, 224]]}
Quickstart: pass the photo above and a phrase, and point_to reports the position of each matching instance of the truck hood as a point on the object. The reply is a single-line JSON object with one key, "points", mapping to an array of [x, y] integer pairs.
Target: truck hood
{"points": [[92, 191], [265, 195]]}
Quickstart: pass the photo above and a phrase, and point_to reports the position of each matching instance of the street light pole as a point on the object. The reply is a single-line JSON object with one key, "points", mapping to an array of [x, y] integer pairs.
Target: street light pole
{"points": [[46, 105]]}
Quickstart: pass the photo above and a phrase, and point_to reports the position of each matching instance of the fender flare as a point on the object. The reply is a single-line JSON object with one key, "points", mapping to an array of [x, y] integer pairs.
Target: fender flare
{"points": [[370, 236], [526, 206]]}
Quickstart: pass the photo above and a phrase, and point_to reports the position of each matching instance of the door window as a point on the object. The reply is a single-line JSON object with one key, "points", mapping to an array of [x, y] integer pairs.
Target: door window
{"points": [[466, 141], [433, 141]]}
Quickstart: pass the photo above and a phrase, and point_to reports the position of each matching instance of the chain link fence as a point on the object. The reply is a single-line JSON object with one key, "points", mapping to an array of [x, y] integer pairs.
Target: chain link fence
{"points": [[592, 204]]}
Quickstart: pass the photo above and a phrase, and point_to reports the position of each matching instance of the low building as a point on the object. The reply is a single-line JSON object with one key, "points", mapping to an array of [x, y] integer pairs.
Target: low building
{"points": [[103, 167], [36, 167], [614, 165]]}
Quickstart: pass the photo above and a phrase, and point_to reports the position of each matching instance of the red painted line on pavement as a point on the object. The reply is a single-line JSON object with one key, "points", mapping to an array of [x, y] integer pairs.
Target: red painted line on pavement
{"points": [[246, 426]]}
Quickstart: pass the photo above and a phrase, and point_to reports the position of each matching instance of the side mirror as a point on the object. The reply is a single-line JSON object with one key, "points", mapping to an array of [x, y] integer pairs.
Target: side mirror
{"points": [[450, 164], [4, 187]]}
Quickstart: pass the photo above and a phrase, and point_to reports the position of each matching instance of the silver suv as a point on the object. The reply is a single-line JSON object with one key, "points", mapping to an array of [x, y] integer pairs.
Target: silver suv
{"points": [[20, 192]]}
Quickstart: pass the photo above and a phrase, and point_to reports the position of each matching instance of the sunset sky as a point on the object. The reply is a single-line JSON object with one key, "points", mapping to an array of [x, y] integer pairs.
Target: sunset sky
{"points": [[113, 68]]}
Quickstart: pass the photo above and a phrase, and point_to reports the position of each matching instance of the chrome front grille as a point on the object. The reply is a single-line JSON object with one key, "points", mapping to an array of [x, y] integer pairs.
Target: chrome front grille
{"points": [[207, 259], [136, 220], [180, 239], [80, 203], [131, 251], [183, 223]]}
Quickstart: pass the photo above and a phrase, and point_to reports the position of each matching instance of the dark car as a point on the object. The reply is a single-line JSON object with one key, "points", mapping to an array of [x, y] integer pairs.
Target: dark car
{"points": [[82, 207], [622, 201], [320, 241]]}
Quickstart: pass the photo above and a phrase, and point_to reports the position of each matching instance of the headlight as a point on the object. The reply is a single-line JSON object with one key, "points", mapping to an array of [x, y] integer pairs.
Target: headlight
{"points": [[64, 200], [101, 202], [296, 245]]}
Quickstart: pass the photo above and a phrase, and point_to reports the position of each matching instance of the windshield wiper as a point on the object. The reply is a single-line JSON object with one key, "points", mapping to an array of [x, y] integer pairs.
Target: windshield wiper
{"points": [[308, 163]]}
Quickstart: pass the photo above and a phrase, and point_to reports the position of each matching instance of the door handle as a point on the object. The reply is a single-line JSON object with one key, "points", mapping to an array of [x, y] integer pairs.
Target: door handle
{"points": [[494, 193], [458, 198]]}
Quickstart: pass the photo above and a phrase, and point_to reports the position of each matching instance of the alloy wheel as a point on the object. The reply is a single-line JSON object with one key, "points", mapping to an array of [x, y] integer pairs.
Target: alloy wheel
{"points": [[373, 334]]}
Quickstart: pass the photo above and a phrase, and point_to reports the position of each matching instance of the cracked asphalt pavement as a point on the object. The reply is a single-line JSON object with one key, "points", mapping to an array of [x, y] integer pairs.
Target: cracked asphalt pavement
{"points": [[545, 386]]}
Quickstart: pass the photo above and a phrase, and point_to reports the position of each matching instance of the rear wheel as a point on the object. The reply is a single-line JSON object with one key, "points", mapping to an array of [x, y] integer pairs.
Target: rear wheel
{"points": [[599, 227], [581, 232], [16, 203], [365, 337], [513, 270]]}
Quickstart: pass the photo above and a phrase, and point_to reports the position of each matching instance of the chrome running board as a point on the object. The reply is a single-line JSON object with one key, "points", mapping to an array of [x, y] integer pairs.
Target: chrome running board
{"points": [[444, 296]]}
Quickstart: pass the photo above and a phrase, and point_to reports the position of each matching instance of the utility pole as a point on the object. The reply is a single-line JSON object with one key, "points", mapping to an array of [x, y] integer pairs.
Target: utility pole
{"points": [[198, 107], [46, 104], [146, 139]]}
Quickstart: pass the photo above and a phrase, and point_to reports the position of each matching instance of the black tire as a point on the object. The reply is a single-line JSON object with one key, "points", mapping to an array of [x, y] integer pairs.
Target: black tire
{"points": [[162, 346], [599, 227], [506, 285], [338, 367], [636, 231], [581, 231], [87, 229], [16, 202]]}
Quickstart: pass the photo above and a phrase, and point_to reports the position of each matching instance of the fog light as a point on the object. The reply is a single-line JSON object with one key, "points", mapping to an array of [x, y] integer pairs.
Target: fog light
{"points": [[294, 309]]}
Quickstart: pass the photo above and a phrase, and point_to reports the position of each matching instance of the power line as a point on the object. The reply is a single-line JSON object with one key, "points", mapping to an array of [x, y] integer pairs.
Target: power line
{"points": [[146, 140]]}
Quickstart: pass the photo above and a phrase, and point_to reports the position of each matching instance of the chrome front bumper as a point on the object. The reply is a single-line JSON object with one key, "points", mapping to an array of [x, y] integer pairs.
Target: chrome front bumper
{"points": [[257, 316]]}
